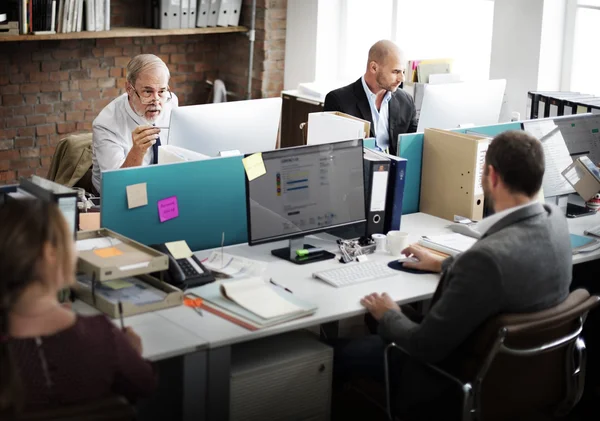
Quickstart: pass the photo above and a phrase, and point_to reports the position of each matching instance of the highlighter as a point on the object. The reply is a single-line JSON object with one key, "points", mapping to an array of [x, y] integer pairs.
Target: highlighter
{"points": [[309, 252]]}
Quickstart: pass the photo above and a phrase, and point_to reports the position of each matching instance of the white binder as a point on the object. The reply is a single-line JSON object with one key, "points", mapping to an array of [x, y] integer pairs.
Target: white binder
{"points": [[224, 11], [234, 12], [164, 13], [213, 12], [184, 14], [192, 14], [202, 13], [174, 12]]}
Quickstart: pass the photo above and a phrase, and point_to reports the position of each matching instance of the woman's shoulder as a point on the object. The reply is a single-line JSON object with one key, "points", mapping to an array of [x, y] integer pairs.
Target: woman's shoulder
{"points": [[97, 326]]}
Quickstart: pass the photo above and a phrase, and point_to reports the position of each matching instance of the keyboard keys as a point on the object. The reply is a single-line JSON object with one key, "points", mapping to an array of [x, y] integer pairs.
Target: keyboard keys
{"points": [[355, 273]]}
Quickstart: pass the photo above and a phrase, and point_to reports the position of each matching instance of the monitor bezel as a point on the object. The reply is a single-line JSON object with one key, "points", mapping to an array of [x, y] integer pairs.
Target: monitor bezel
{"points": [[301, 234]]}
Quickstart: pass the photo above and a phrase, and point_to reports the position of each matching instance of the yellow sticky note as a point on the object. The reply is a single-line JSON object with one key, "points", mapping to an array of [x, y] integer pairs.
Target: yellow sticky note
{"points": [[254, 165], [137, 195], [179, 249], [117, 284], [108, 252]]}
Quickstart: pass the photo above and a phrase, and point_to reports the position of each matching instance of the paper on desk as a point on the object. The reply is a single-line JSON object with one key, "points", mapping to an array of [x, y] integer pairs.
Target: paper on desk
{"points": [[117, 284], [137, 195], [557, 158], [179, 249], [139, 293], [254, 166], [255, 295], [234, 266], [448, 243], [96, 243]]}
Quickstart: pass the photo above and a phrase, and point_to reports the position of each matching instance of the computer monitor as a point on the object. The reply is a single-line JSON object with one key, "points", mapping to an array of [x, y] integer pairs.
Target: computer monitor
{"points": [[463, 104], [247, 126], [306, 190]]}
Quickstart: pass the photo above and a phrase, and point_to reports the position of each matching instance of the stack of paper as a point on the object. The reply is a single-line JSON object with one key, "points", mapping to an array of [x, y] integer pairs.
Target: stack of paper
{"points": [[230, 266], [252, 303], [450, 244]]}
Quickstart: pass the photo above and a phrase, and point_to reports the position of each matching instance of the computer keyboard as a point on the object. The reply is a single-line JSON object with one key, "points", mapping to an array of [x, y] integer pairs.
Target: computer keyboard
{"points": [[354, 273]]}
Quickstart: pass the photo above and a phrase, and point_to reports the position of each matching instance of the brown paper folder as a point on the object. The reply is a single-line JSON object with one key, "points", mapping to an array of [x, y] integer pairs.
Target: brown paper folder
{"points": [[451, 174]]}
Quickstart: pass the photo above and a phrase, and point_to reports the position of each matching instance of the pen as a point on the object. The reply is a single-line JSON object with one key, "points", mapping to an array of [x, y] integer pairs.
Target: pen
{"points": [[162, 128], [121, 315], [309, 252], [280, 286]]}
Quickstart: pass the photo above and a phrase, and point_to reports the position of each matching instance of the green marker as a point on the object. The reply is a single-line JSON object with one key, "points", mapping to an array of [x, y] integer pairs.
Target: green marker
{"points": [[308, 252]]}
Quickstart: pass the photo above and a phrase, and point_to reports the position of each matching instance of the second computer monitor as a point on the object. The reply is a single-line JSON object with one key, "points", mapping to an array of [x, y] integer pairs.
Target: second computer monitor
{"points": [[306, 190], [245, 126], [453, 105]]}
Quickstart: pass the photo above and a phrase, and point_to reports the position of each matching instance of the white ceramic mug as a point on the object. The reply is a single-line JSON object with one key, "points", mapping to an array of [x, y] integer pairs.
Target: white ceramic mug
{"points": [[396, 242]]}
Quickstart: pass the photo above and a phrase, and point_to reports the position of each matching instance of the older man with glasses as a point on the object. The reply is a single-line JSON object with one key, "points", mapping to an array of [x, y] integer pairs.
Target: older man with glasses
{"points": [[127, 131]]}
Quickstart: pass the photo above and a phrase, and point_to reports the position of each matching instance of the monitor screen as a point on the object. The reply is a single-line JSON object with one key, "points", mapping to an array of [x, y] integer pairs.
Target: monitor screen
{"points": [[307, 189], [245, 126]]}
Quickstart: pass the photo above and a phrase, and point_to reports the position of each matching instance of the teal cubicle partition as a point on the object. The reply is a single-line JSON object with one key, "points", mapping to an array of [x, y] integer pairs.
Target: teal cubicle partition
{"points": [[411, 148], [211, 196]]}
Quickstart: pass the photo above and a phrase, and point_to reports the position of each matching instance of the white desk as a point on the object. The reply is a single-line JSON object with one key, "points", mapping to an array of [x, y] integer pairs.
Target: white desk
{"points": [[334, 303]]}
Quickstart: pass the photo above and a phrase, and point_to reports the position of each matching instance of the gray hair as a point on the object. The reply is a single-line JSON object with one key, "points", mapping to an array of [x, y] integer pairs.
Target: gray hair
{"points": [[143, 62]]}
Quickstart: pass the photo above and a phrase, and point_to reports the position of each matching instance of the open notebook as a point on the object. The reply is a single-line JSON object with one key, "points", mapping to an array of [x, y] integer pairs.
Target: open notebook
{"points": [[252, 302]]}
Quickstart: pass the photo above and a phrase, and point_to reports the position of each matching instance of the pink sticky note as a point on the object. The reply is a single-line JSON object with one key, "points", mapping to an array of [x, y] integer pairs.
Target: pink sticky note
{"points": [[168, 209]]}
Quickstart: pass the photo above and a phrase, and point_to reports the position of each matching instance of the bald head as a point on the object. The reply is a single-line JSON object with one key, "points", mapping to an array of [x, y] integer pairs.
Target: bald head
{"points": [[385, 70], [384, 50]]}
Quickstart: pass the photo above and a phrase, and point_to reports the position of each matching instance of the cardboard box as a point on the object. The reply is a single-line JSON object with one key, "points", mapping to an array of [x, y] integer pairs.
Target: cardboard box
{"points": [[333, 126]]}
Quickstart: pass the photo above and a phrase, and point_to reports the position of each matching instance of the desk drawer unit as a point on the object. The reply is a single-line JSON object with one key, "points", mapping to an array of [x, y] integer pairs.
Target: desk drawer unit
{"points": [[285, 377]]}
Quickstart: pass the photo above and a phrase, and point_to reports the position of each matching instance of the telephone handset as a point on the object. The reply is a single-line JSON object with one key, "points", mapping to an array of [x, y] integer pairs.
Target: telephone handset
{"points": [[185, 273]]}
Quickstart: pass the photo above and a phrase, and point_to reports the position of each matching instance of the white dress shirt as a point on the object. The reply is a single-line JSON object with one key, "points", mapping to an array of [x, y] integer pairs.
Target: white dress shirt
{"points": [[485, 224], [111, 135], [380, 117]]}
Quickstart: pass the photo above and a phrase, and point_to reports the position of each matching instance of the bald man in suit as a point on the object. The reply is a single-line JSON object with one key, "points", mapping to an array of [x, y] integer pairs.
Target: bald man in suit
{"points": [[375, 97]]}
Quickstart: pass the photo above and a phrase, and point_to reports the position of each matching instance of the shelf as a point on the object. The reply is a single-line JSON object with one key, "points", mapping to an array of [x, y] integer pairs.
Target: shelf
{"points": [[125, 32]]}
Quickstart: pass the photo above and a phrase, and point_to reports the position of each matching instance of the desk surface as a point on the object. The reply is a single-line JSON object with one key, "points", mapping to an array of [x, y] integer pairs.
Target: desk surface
{"points": [[180, 330], [334, 303], [161, 338]]}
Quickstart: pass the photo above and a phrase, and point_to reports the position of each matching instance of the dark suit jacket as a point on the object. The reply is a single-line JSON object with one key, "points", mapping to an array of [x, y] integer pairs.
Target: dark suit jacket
{"points": [[522, 264], [352, 100]]}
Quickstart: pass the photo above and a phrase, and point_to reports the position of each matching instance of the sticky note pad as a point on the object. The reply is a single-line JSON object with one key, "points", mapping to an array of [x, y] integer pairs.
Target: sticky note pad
{"points": [[89, 221], [108, 252], [168, 209], [254, 166], [179, 249], [117, 284], [137, 195]]}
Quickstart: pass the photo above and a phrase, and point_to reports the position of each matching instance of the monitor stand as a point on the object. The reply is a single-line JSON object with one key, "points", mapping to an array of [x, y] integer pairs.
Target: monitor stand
{"points": [[289, 253]]}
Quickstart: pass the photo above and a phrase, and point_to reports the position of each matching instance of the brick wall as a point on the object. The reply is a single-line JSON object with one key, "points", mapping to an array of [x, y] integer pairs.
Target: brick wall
{"points": [[49, 89], [269, 51]]}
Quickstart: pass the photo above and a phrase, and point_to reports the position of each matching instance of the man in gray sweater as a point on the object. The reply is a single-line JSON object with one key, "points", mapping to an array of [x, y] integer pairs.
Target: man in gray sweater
{"points": [[522, 263]]}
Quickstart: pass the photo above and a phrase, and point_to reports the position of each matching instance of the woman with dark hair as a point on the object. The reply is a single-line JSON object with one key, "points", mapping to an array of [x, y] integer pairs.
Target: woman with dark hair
{"points": [[50, 356]]}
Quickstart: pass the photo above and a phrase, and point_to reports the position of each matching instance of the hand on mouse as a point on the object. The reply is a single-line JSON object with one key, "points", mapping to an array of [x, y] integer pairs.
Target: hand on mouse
{"points": [[426, 260]]}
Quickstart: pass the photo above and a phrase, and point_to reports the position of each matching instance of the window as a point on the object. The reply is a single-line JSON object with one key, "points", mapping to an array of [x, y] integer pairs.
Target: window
{"points": [[586, 61], [459, 29]]}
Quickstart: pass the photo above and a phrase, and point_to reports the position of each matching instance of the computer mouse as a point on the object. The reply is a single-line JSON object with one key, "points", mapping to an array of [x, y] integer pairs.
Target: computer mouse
{"points": [[405, 259]]}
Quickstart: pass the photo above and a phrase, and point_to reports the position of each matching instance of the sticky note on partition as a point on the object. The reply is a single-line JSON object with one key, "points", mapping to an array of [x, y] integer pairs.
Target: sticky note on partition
{"points": [[137, 195], [168, 209], [254, 166], [179, 249]]}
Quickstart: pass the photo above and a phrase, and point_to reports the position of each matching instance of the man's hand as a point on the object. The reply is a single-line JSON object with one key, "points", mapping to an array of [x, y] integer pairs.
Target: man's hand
{"points": [[379, 304], [427, 260], [144, 137]]}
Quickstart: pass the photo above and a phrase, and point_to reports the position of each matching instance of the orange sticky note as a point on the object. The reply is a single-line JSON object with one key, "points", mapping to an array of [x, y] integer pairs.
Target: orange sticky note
{"points": [[108, 252]]}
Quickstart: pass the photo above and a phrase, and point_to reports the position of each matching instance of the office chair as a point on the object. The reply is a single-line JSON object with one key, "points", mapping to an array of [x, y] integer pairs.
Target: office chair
{"points": [[518, 364], [114, 408]]}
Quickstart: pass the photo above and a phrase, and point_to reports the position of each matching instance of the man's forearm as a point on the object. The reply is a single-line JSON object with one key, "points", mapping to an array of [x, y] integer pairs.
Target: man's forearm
{"points": [[134, 159]]}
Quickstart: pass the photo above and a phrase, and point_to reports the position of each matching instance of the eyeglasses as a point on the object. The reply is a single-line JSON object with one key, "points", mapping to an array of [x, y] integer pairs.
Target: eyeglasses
{"points": [[148, 96]]}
